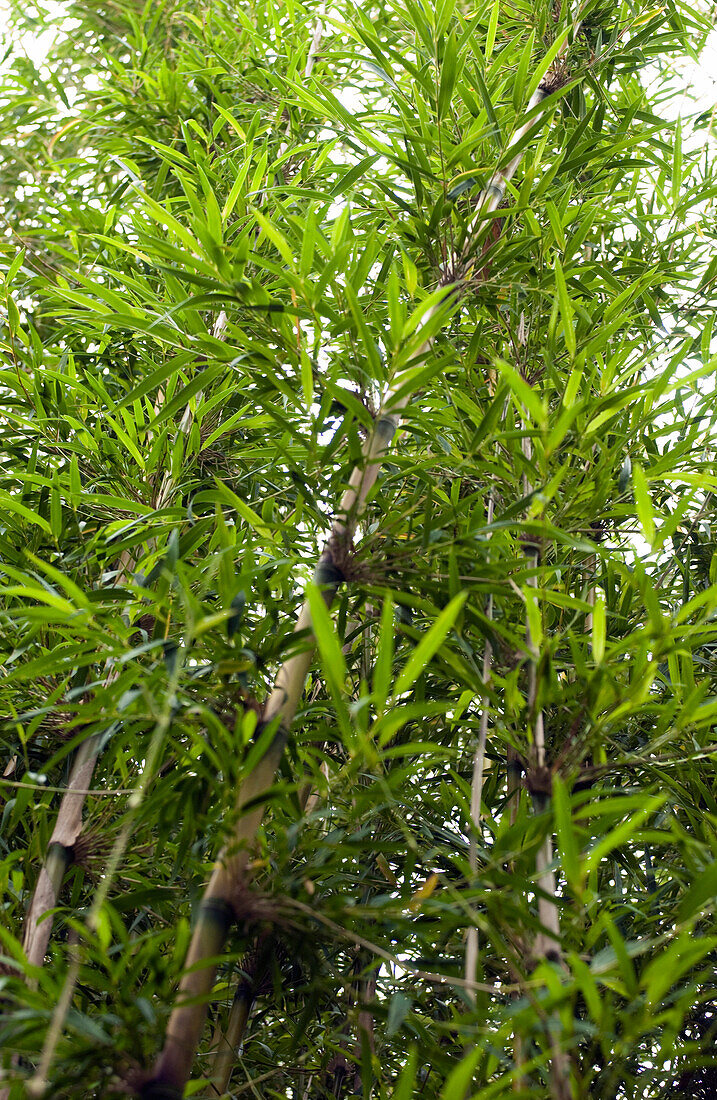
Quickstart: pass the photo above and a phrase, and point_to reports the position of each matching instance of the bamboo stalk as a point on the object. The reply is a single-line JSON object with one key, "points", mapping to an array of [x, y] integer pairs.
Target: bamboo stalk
{"points": [[174, 1063], [68, 824], [477, 780], [187, 1019], [231, 1039], [224, 1041], [228, 1040], [547, 944], [65, 833], [361, 990], [38, 1084], [239, 1013]]}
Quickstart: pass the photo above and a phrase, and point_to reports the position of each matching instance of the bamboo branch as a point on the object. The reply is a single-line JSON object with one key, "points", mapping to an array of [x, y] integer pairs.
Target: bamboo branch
{"points": [[228, 1040], [315, 41], [547, 942], [361, 990]]}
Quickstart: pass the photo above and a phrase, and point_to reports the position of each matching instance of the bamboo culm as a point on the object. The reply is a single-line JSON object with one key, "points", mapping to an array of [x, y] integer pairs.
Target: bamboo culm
{"points": [[68, 824], [216, 915]]}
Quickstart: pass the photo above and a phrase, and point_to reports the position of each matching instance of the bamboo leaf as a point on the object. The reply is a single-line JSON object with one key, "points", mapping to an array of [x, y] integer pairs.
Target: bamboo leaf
{"points": [[643, 503], [621, 833], [332, 660], [429, 645], [598, 629], [384, 655], [569, 851], [526, 396], [406, 1082]]}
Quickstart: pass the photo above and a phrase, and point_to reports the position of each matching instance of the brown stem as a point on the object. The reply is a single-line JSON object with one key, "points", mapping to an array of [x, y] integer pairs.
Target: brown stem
{"points": [[228, 1040], [360, 992], [68, 827], [231, 1040], [547, 941]]}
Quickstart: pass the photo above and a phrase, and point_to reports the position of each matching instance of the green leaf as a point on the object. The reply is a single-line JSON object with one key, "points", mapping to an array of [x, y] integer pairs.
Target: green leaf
{"points": [[492, 27], [449, 73], [333, 664], [622, 833], [383, 667], [598, 629], [567, 842], [643, 503], [566, 309], [527, 398], [398, 1010], [461, 1078], [429, 645], [9, 504], [246, 512], [701, 895], [407, 1081]]}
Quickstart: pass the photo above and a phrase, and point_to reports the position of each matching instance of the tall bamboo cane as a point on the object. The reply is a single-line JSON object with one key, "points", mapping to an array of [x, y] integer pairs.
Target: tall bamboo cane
{"points": [[227, 1041], [68, 824], [66, 831], [216, 911], [547, 944], [216, 914], [477, 779]]}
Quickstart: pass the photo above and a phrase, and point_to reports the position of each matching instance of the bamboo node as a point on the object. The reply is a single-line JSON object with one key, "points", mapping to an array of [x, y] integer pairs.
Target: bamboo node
{"points": [[90, 851], [250, 907], [531, 544], [598, 530], [539, 780], [338, 563], [556, 77], [219, 911]]}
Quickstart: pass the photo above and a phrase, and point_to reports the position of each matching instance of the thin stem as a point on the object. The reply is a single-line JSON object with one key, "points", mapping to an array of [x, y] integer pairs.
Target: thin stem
{"points": [[547, 942], [477, 779], [228, 1040], [39, 1083], [315, 41]]}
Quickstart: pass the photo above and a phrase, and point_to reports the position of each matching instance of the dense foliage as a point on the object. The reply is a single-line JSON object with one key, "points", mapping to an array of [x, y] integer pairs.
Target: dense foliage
{"points": [[228, 230]]}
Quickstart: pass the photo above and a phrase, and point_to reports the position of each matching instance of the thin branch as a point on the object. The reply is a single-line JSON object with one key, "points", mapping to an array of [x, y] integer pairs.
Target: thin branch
{"points": [[40, 787], [450, 980], [478, 772], [38, 1084]]}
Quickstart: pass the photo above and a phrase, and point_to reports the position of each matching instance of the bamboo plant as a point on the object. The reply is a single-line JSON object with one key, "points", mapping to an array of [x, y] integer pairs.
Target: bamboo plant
{"points": [[463, 261]]}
